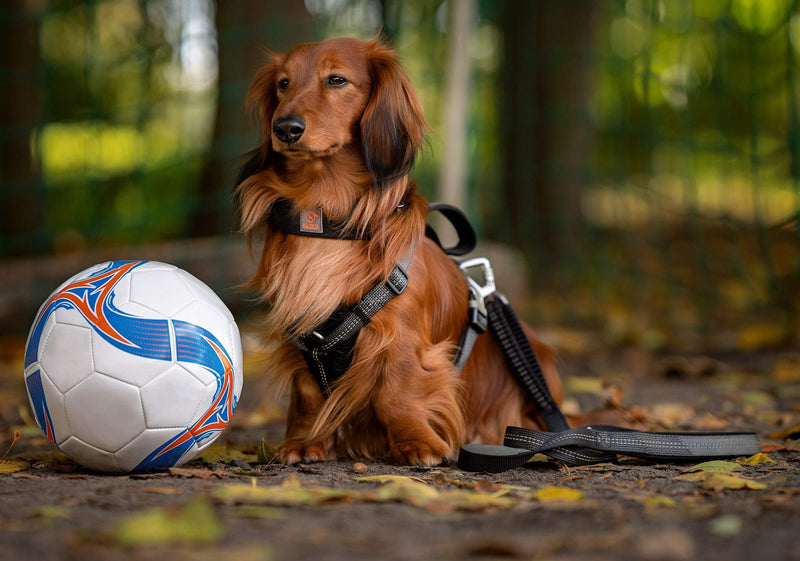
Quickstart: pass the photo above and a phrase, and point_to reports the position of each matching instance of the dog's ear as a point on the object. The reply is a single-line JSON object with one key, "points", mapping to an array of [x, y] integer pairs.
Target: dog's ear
{"points": [[392, 126], [262, 100]]}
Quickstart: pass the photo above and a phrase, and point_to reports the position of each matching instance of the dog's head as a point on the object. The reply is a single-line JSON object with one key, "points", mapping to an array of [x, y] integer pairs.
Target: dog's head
{"points": [[339, 94]]}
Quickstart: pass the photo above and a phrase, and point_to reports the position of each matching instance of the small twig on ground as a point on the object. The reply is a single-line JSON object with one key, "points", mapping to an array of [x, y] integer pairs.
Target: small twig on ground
{"points": [[10, 446]]}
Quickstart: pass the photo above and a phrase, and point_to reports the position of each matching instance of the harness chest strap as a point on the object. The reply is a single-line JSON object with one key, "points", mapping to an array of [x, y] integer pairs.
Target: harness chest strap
{"points": [[328, 350]]}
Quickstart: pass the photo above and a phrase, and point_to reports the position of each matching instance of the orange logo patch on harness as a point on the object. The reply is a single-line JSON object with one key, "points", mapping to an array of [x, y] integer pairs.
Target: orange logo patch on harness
{"points": [[311, 221]]}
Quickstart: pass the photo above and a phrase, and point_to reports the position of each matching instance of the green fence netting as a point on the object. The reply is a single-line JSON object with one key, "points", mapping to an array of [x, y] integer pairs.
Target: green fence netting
{"points": [[643, 156]]}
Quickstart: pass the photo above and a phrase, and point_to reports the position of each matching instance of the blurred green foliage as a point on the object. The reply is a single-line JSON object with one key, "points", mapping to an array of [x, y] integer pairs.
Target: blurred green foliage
{"points": [[672, 150]]}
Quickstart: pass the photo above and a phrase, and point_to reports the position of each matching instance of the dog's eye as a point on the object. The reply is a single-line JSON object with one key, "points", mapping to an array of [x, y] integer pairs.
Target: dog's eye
{"points": [[336, 81], [283, 83]]}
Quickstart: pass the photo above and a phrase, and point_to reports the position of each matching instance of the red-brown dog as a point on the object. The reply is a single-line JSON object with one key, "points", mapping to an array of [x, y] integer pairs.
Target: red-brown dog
{"points": [[342, 126]]}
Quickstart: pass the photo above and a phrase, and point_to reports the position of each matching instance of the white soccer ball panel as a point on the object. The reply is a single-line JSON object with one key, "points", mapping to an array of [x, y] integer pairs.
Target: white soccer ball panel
{"points": [[163, 292], [66, 355], [130, 368], [205, 293], [104, 412], [90, 456], [70, 316], [55, 406], [173, 399], [143, 445], [201, 373]]}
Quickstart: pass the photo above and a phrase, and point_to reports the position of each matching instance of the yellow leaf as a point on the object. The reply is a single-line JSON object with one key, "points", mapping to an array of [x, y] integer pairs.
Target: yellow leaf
{"points": [[387, 478], [262, 512], [694, 477], [789, 432], [583, 385], [194, 523], [161, 490], [288, 493], [407, 490], [714, 465], [48, 512], [726, 525], [760, 458], [761, 336], [557, 494], [660, 501], [719, 481], [12, 466]]}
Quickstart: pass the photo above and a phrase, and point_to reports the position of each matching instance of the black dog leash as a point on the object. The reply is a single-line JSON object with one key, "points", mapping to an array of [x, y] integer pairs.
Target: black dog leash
{"points": [[586, 445]]}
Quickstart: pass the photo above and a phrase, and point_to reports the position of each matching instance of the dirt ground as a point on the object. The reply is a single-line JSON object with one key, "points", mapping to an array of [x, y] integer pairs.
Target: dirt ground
{"points": [[233, 503]]}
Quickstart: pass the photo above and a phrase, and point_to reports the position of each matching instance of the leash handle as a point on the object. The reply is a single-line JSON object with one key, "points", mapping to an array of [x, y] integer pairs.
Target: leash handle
{"points": [[466, 234]]}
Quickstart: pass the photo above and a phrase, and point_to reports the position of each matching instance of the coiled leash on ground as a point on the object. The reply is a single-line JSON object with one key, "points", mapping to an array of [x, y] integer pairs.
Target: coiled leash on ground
{"points": [[586, 445]]}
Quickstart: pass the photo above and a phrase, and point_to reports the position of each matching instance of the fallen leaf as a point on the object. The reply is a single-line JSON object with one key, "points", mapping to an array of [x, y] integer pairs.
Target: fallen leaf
{"points": [[719, 481], [726, 525], [193, 523], [772, 446], [673, 413], [786, 372], [714, 465], [386, 478], [161, 490], [760, 458], [261, 512], [660, 501], [13, 466], [199, 473], [222, 452], [789, 432], [757, 336], [583, 385], [286, 494], [411, 492], [551, 493], [48, 512], [266, 454]]}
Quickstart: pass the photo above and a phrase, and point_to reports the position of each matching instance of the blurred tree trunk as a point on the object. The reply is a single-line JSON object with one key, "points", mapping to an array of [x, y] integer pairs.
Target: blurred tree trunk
{"points": [[454, 169], [245, 30], [545, 79], [19, 107]]}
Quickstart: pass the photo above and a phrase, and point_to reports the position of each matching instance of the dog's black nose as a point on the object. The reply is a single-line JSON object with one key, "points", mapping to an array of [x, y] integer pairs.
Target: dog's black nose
{"points": [[289, 129]]}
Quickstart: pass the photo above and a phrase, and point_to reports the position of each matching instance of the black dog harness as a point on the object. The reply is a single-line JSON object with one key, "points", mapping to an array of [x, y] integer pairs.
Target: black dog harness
{"points": [[328, 352]]}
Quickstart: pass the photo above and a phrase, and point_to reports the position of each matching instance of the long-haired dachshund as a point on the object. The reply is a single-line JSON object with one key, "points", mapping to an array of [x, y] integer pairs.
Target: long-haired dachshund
{"points": [[341, 128]]}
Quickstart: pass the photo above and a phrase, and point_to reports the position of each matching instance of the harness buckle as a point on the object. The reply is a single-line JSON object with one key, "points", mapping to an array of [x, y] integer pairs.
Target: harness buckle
{"points": [[397, 281]]}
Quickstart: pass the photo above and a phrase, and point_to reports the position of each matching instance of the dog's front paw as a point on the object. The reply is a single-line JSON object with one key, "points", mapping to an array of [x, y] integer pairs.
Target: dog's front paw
{"points": [[294, 452], [418, 453]]}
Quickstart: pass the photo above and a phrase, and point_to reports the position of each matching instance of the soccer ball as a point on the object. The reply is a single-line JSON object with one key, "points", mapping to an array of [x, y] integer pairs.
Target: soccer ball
{"points": [[133, 366]]}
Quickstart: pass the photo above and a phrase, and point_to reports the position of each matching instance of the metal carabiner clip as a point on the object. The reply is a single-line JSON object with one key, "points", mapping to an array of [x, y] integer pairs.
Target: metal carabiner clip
{"points": [[478, 293], [488, 287]]}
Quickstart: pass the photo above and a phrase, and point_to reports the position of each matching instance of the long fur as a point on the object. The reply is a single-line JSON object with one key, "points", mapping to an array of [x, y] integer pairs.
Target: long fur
{"points": [[401, 394]]}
